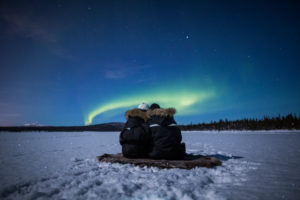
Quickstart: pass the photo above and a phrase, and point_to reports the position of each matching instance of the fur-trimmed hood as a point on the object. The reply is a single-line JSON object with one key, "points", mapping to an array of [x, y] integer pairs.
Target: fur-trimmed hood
{"points": [[163, 112], [136, 113]]}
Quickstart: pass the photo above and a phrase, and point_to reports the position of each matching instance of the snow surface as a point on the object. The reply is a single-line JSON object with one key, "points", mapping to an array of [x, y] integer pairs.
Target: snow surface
{"points": [[63, 165]]}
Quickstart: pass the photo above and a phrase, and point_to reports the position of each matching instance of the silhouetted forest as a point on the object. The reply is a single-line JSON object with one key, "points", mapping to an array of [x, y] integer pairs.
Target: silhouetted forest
{"points": [[267, 123]]}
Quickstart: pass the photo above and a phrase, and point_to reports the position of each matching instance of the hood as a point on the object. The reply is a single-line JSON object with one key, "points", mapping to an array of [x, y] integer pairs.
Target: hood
{"points": [[162, 112], [136, 113]]}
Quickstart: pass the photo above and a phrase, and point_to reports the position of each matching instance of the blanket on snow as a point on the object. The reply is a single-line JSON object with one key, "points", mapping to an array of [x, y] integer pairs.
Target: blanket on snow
{"points": [[190, 161]]}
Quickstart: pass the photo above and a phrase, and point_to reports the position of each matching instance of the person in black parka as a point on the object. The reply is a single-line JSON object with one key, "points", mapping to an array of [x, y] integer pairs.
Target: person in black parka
{"points": [[135, 138], [166, 136]]}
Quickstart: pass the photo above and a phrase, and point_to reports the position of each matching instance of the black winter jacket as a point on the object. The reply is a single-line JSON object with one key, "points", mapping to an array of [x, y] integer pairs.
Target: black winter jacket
{"points": [[166, 136], [135, 138]]}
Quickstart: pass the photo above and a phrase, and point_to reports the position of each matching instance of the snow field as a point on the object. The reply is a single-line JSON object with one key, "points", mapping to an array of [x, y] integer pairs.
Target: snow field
{"points": [[64, 166]]}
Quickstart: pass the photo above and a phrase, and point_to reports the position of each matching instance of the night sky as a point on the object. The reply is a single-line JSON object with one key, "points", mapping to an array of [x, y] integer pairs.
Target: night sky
{"points": [[82, 62]]}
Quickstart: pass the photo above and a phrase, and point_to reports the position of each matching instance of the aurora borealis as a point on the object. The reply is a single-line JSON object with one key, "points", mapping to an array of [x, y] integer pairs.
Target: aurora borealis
{"points": [[181, 100], [87, 62]]}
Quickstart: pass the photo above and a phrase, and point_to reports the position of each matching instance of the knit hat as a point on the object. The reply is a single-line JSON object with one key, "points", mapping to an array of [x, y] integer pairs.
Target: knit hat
{"points": [[143, 106], [154, 106]]}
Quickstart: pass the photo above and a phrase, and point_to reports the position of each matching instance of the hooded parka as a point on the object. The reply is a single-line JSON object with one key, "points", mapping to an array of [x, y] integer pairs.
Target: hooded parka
{"points": [[135, 138], [166, 136]]}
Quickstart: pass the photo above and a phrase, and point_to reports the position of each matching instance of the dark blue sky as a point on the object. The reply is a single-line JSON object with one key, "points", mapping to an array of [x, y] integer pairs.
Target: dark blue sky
{"points": [[64, 62]]}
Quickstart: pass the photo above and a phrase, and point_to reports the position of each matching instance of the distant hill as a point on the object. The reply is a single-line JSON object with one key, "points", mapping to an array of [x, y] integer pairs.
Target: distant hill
{"points": [[113, 126]]}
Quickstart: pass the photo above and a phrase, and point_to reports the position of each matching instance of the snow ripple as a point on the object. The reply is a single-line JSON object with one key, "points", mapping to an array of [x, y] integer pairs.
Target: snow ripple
{"points": [[88, 179]]}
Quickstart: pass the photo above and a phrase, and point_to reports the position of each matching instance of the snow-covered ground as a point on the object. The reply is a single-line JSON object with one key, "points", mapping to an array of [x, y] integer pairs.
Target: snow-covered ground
{"points": [[62, 165]]}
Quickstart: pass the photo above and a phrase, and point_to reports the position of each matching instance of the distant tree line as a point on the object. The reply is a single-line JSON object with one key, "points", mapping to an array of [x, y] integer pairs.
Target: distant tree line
{"points": [[289, 121]]}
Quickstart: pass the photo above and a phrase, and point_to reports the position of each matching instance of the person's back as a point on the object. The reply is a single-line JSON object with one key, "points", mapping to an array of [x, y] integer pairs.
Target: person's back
{"points": [[135, 138], [166, 136]]}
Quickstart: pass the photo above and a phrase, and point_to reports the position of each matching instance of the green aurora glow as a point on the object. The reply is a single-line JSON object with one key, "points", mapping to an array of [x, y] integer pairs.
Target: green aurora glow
{"points": [[183, 100]]}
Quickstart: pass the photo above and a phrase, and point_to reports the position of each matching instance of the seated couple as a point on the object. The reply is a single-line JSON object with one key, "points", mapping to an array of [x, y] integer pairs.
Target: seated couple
{"points": [[151, 133]]}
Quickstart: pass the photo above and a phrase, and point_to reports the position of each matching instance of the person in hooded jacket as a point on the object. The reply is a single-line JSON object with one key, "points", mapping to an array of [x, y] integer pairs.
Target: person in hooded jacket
{"points": [[166, 136], [135, 138]]}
